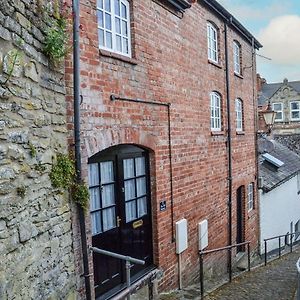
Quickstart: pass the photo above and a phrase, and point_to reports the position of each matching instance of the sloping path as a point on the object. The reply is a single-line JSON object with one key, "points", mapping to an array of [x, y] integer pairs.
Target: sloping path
{"points": [[276, 281]]}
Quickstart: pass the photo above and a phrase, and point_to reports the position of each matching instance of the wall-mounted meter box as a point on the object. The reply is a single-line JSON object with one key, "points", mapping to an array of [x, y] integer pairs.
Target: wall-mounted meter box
{"points": [[203, 234], [181, 236]]}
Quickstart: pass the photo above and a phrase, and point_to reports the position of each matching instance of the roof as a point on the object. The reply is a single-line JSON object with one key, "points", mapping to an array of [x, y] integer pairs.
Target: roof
{"points": [[272, 175], [232, 21], [269, 89]]}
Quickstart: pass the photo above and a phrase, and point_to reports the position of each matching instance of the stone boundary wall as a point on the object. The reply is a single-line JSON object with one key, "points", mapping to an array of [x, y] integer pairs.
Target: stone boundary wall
{"points": [[36, 247]]}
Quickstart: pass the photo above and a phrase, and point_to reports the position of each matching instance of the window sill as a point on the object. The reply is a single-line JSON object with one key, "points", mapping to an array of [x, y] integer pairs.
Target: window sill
{"points": [[118, 56], [216, 133], [238, 75], [240, 132], [216, 64]]}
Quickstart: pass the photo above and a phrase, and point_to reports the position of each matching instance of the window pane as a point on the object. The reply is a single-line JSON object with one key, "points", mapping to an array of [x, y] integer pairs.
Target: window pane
{"points": [[130, 211], [277, 106], [96, 223], [124, 11], [141, 186], [94, 198], [128, 166], [140, 166], [108, 21], [295, 114], [124, 28], [100, 3], [108, 40], [295, 105], [142, 207], [108, 195], [125, 46], [117, 7], [107, 5], [93, 174], [100, 18], [118, 25], [107, 172], [129, 189], [101, 37], [119, 43], [109, 218]]}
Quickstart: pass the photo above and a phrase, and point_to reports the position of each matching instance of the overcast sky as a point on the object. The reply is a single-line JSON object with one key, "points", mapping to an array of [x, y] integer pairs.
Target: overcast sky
{"points": [[276, 24]]}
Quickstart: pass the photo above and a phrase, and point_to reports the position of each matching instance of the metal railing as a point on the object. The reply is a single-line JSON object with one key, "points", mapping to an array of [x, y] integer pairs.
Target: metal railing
{"points": [[285, 236], [229, 248], [298, 269], [128, 264]]}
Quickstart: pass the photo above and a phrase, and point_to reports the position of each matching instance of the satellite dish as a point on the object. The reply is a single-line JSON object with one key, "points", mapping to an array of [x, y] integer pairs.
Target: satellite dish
{"points": [[265, 146]]}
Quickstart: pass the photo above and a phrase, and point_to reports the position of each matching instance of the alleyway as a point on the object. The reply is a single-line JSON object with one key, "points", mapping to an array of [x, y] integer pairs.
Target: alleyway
{"points": [[276, 281]]}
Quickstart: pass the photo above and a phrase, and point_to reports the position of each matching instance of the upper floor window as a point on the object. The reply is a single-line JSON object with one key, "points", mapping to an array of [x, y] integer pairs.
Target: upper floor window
{"points": [[250, 196], [237, 58], [239, 114], [212, 43], [215, 111], [114, 26], [278, 107], [295, 110]]}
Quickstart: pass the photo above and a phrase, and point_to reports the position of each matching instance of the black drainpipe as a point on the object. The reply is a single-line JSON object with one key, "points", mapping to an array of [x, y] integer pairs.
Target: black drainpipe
{"points": [[229, 150], [76, 89], [113, 98]]}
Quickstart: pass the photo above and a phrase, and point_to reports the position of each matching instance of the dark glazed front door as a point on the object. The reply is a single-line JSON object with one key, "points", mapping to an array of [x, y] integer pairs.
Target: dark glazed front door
{"points": [[240, 218], [120, 213]]}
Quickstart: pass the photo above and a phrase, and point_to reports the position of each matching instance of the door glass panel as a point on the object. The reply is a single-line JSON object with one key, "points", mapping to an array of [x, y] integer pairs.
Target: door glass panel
{"points": [[107, 173], [93, 175], [141, 186], [128, 166], [108, 195], [130, 211], [140, 166], [129, 189], [94, 199], [96, 222], [142, 207], [109, 218]]}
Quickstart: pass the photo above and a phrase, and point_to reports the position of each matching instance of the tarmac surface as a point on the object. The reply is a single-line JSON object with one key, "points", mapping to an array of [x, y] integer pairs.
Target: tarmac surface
{"points": [[276, 281]]}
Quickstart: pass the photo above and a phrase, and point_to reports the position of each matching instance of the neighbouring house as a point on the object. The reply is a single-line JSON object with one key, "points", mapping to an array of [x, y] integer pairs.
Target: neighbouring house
{"points": [[284, 98], [158, 79], [279, 193]]}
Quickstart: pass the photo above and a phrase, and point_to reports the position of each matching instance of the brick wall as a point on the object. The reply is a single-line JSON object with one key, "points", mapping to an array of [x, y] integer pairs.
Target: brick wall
{"points": [[170, 64]]}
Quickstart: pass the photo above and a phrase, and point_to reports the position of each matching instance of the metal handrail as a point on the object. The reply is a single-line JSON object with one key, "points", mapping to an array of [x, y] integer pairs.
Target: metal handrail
{"points": [[128, 265], [201, 253], [291, 235], [298, 289]]}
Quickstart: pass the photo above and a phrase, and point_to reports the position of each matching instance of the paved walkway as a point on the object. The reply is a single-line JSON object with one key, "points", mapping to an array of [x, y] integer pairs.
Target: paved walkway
{"points": [[276, 281]]}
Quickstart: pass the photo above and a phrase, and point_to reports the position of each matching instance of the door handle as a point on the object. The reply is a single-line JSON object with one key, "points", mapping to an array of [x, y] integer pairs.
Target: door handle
{"points": [[118, 221]]}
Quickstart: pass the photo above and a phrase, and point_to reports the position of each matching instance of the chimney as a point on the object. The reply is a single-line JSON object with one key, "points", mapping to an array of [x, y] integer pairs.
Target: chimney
{"points": [[260, 82]]}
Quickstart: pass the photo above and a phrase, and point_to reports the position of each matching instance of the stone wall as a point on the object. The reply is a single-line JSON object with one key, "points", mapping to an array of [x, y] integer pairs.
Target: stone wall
{"points": [[36, 250]]}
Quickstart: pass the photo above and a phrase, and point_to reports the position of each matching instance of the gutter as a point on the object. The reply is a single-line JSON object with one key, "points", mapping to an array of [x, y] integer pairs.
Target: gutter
{"points": [[76, 90]]}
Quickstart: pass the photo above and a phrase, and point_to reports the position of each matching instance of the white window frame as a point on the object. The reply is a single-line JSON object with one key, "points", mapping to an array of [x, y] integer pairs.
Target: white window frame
{"points": [[298, 183], [294, 110], [237, 58], [278, 111], [239, 114], [250, 193], [215, 112], [113, 30], [212, 43]]}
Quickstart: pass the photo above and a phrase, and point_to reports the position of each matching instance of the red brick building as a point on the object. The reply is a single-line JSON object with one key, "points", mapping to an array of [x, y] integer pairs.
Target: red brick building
{"points": [[154, 132]]}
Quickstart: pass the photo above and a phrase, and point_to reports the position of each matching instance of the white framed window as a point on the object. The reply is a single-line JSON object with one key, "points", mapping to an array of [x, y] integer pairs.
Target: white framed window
{"points": [[212, 43], [114, 26], [295, 110], [278, 107], [237, 58], [239, 114], [250, 201], [298, 183], [215, 111]]}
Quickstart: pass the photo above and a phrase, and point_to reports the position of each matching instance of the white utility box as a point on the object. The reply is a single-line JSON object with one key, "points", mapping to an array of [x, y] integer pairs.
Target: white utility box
{"points": [[181, 236], [203, 234]]}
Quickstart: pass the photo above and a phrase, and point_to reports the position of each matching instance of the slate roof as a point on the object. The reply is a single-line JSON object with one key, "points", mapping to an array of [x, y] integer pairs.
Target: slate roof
{"points": [[272, 176], [269, 89]]}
